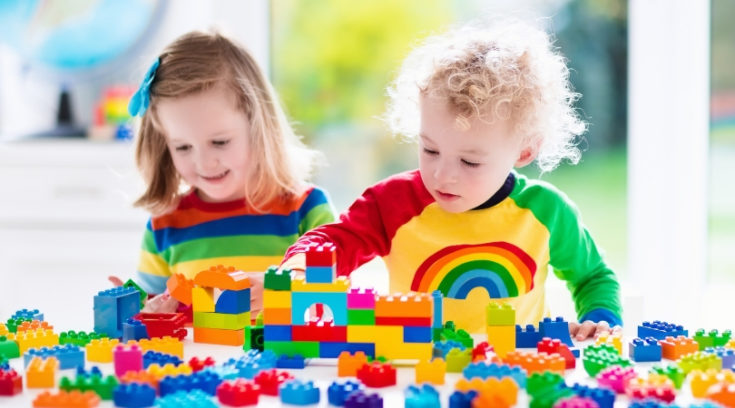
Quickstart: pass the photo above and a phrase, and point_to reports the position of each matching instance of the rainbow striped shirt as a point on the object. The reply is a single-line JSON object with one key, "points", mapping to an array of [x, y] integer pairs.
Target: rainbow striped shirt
{"points": [[199, 234], [502, 250]]}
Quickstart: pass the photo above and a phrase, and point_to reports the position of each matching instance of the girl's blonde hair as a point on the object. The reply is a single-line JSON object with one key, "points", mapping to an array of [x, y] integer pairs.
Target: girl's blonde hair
{"points": [[199, 61], [507, 69]]}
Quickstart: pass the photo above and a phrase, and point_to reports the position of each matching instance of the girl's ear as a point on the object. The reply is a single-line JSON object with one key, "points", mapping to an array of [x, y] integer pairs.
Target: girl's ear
{"points": [[528, 154]]}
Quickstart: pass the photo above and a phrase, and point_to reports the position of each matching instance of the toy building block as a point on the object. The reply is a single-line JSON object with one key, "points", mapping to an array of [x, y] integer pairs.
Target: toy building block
{"points": [[700, 381], [321, 255], [34, 339], [377, 374], [604, 397], [134, 330], [32, 314], [699, 361], [252, 362], [713, 338], [441, 348], [438, 305], [204, 380], [70, 399], [597, 358], [143, 294], [556, 329], [165, 344], [458, 335], [348, 364], [198, 364], [79, 338], [675, 374], [299, 392], [502, 338], [33, 325], [163, 324], [295, 362], [302, 301], [360, 399], [140, 377], [134, 395], [673, 348], [41, 373], [270, 380], [277, 280], [432, 372], [154, 357], [550, 346], [276, 299], [504, 391], [114, 306], [100, 350], [221, 321], [361, 298], [233, 301], [319, 274], [361, 317], [102, 386], [8, 348], [647, 349], [533, 362], [483, 352], [655, 386], [179, 287], [416, 305], [543, 383], [169, 369], [238, 392], [219, 336], [186, 399], [315, 331], [253, 338], [4, 329], [339, 390], [459, 399], [127, 358], [458, 359], [277, 316], [308, 349], [421, 396], [202, 299], [69, 355], [722, 393], [576, 402], [527, 337], [615, 378], [497, 314], [339, 285], [727, 355], [222, 277], [484, 371], [660, 330], [615, 340]]}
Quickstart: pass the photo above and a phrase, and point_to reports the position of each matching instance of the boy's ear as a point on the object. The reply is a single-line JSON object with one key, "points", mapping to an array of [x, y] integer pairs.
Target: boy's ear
{"points": [[528, 154]]}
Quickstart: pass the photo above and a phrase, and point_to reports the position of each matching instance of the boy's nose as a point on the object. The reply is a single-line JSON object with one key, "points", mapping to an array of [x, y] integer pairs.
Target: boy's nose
{"points": [[445, 173]]}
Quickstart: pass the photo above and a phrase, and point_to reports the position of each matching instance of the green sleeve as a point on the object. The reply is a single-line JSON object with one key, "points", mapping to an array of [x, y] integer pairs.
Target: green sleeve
{"points": [[317, 210]]}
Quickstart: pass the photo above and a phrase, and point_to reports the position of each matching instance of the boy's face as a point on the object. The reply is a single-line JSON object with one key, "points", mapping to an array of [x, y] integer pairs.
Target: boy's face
{"points": [[207, 137], [463, 168]]}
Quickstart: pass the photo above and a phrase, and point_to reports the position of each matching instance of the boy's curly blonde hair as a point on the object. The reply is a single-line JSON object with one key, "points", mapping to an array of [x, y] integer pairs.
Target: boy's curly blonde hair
{"points": [[509, 69]]}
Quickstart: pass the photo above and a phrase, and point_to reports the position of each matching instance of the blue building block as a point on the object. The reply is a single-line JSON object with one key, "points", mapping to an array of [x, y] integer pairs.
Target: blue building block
{"points": [[320, 274], [484, 370], [134, 395], [339, 390], [726, 354], [69, 355], [114, 306], [416, 334], [555, 329], [183, 399], [155, 357], [659, 330], [460, 399], [93, 371], [284, 361], [301, 301], [32, 314], [204, 380], [233, 301], [359, 399], [424, 396], [441, 348], [272, 332], [654, 403], [437, 321], [299, 392], [527, 337], [602, 396], [253, 362], [134, 330], [647, 349], [328, 349], [5, 366]]}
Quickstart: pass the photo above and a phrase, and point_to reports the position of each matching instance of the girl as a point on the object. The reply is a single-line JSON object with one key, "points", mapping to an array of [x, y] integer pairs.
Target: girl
{"points": [[224, 172]]}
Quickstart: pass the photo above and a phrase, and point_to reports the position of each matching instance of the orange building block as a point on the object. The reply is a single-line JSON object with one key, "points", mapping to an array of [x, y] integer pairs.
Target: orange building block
{"points": [[277, 316], [67, 399], [432, 371], [723, 394], [222, 277], [140, 377], [675, 348], [219, 336], [33, 325], [404, 305], [348, 364], [536, 363], [41, 373], [180, 288], [495, 390]]}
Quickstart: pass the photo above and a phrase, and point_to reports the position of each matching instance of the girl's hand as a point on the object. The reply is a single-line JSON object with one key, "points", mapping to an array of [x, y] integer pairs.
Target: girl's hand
{"points": [[256, 292], [589, 329], [162, 303], [115, 281]]}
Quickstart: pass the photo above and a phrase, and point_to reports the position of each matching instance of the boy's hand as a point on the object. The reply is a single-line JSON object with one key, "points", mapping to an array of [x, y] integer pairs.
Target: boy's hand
{"points": [[162, 303], [115, 281], [588, 329], [256, 292], [295, 263]]}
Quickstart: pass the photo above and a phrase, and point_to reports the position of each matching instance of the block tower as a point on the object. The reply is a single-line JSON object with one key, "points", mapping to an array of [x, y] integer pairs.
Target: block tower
{"points": [[501, 327], [221, 306]]}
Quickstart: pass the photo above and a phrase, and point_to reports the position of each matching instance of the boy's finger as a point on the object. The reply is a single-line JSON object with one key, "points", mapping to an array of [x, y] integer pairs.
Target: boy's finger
{"points": [[602, 327], [573, 328], [586, 330], [115, 280]]}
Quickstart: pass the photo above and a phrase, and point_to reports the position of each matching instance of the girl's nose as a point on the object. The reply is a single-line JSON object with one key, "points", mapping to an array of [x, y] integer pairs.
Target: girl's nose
{"points": [[445, 173]]}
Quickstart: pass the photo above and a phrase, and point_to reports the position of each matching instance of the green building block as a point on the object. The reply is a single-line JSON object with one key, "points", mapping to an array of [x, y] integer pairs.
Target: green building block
{"points": [[598, 358], [12, 324], [500, 314], [102, 387], [275, 280], [79, 338], [221, 320], [547, 400], [712, 338], [460, 336], [458, 359], [542, 383], [361, 317], [676, 374], [253, 338], [8, 348], [143, 293], [308, 349]]}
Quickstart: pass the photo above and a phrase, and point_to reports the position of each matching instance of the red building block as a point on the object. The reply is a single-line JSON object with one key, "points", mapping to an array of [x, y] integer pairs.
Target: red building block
{"points": [[377, 374], [319, 331], [321, 254], [551, 346], [163, 324], [482, 352], [10, 382], [238, 393], [196, 364], [270, 380], [402, 321]]}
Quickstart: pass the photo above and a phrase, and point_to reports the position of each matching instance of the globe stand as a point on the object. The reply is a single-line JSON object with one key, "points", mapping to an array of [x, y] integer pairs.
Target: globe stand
{"points": [[65, 124]]}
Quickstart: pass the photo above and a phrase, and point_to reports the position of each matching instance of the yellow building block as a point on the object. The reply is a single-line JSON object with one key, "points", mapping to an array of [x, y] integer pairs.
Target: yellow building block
{"points": [[221, 320], [166, 344], [371, 334], [158, 372], [432, 372], [400, 351], [3, 330], [34, 339], [615, 340], [41, 373], [341, 284], [502, 338], [276, 299], [100, 350], [202, 299]]}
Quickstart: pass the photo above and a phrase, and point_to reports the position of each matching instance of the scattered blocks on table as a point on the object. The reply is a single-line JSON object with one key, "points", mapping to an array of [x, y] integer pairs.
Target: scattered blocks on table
{"points": [[504, 391], [615, 340], [615, 378], [604, 397], [576, 402], [134, 330], [238, 392], [339, 390], [299, 392], [154, 357], [377, 374], [700, 381], [654, 386], [203, 380], [484, 371], [186, 399], [198, 364], [660, 330], [675, 374], [68, 355], [79, 338], [551, 346], [497, 314], [31, 314], [543, 383], [457, 360], [647, 349], [699, 361], [536, 362], [41, 373], [34, 339], [270, 380], [459, 399], [143, 294], [722, 394], [726, 354], [102, 386], [134, 395], [166, 344], [75, 399], [295, 362], [33, 325], [10, 383], [253, 338]]}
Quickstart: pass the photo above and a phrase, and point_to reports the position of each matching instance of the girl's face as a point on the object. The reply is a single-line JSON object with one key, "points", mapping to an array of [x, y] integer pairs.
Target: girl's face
{"points": [[463, 168], [207, 137]]}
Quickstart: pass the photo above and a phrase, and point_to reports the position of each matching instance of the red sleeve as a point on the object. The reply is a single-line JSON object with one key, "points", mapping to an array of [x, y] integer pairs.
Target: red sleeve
{"points": [[367, 228]]}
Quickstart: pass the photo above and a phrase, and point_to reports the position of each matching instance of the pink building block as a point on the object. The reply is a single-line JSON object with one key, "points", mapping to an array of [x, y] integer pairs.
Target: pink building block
{"points": [[127, 358], [616, 378], [361, 298]]}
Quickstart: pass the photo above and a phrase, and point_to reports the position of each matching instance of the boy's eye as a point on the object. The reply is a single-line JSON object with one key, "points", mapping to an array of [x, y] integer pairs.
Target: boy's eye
{"points": [[430, 152], [469, 163], [220, 142]]}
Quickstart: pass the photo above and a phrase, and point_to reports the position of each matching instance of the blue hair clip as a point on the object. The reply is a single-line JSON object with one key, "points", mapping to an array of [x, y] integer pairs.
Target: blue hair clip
{"points": [[142, 97]]}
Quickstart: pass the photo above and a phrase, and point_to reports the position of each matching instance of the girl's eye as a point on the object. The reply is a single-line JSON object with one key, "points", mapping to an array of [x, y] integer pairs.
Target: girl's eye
{"points": [[220, 142], [430, 152], [183, 148], [469, 164]]}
